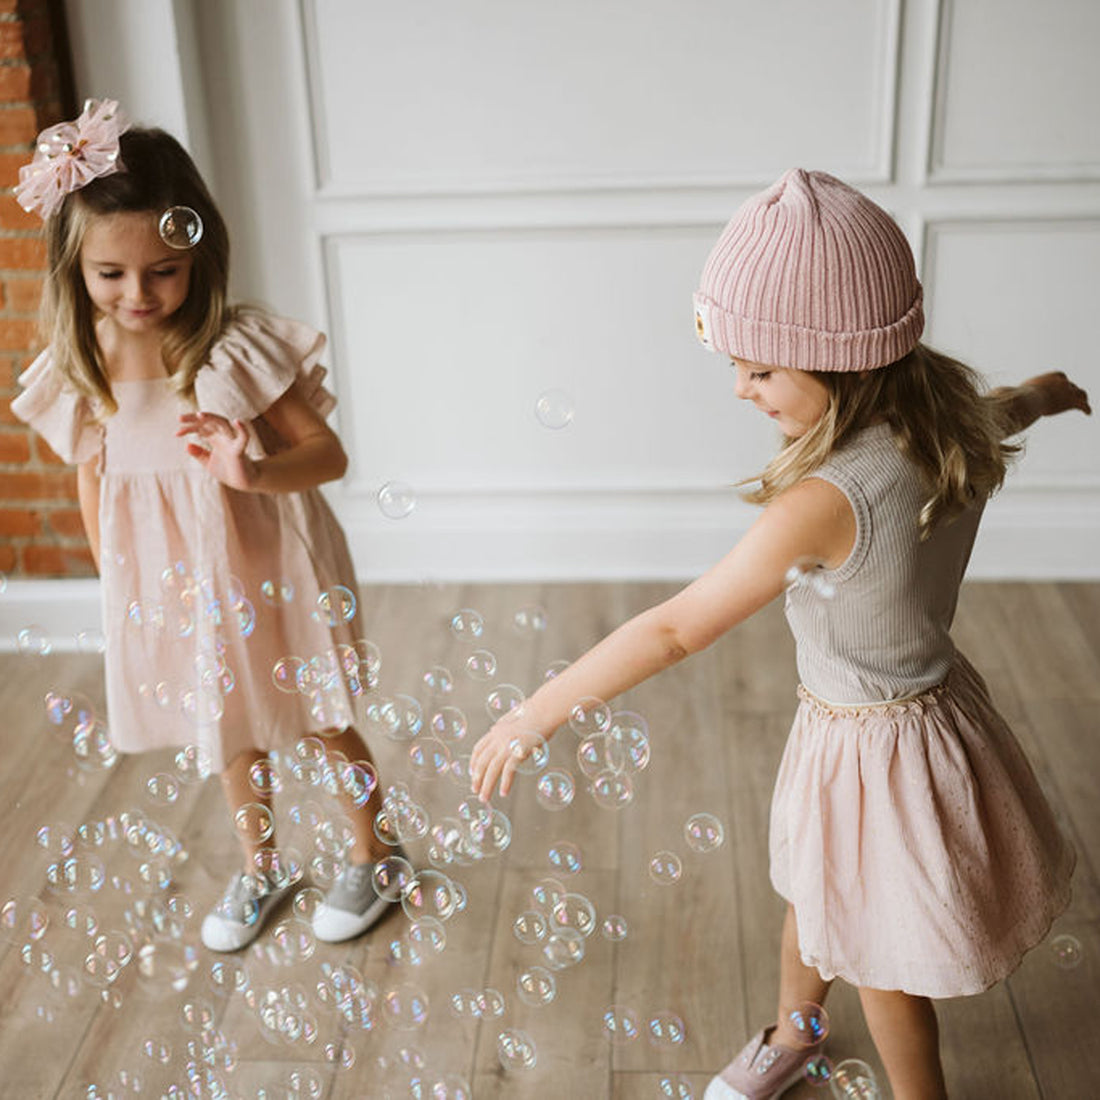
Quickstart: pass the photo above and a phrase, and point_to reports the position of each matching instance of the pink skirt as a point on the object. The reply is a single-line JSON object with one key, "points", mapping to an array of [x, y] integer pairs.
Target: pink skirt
{"points": [[914, 842]]}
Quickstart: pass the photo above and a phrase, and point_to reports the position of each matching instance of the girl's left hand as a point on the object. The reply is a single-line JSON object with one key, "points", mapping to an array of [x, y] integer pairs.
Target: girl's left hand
{"points": [[497, 755], [221, 449]]}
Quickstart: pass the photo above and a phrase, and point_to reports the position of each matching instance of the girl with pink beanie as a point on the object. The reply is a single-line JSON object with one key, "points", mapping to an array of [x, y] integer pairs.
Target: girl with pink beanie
{"points": [[909, 836]]}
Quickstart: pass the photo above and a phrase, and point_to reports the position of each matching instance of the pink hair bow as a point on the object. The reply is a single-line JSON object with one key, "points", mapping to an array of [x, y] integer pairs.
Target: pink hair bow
{"points": [[70, 155]]}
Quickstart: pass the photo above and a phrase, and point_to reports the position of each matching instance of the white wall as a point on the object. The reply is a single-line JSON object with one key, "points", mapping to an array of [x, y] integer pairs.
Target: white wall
{"points": [[485, 199]]}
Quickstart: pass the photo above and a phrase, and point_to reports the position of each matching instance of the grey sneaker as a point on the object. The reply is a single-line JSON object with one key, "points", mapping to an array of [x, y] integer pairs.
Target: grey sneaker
{"points": [[352, 905], [239, 915]]}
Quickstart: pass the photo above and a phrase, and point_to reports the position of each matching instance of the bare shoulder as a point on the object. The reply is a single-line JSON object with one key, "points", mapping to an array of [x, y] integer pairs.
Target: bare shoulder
{"points": [[823, 516]]}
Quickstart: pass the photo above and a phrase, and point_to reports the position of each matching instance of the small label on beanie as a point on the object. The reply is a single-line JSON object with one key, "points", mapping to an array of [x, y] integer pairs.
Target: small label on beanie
{"points": [[702, 322]]}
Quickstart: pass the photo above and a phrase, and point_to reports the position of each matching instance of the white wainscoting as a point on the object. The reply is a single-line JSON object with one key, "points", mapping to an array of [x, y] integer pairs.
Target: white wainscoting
{"points": [[483, 200]]}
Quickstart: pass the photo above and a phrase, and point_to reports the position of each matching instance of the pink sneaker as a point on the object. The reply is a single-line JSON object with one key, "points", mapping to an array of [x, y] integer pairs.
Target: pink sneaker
{"points": [[761, 1072]]}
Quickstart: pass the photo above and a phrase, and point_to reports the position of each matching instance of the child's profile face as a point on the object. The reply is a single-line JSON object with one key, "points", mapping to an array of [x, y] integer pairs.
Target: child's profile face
{"points": [[132, 277], [794, 399]]}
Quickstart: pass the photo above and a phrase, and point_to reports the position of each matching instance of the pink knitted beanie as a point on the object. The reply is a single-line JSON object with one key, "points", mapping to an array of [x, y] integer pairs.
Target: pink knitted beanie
{"points": [[810, 274]]}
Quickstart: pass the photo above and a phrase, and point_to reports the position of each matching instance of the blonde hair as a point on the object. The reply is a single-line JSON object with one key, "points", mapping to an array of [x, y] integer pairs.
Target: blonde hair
{"points": [[157, 173], [939, 417]]}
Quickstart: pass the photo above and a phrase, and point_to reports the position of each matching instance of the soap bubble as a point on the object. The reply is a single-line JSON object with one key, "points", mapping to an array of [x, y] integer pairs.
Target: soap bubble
{"points": [[163, 789], [536, 986], [502, 700], [554, 409], [703, 832], [809, 573], [565, 857], [55, 839], [448, 724], [530, 926], [589, 715], [529, 621], [438, 680], [429, 894], [665, 868], [614, 928], [336, 606], [404, 1006], [531, 750], [854, 1079], [818, 1071], [254, 822], [193, 763], [339, 1054], [612, 791], [627, 747], [91, 641], [563, 947], [573, 911], [620, 1024], [516, 1050], [676, 1087], [263, 778], [554, 789], [23, 919], [490, 1003], [1066, 951], [33, 641], [481, 665], [467, 625], [429, 758], [276, 591], [396, 500], [810, 1022], [180, 227], [665, 1029]]}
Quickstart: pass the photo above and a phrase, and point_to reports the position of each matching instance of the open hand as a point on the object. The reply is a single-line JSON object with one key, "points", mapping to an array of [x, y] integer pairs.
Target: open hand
{"points": [[220, 448], [1055, 394], [498, 754]]}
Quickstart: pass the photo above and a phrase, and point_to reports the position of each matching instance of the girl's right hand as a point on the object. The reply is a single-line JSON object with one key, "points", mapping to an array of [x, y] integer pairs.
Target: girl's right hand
{"points": [[1056, 394]]}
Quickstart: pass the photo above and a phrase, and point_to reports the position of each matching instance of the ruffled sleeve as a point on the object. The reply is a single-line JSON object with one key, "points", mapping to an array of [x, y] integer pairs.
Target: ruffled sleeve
{"points": [[63, 417], [256, 361]]}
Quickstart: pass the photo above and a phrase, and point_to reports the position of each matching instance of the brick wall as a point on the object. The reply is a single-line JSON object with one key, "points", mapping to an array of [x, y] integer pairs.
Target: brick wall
{"points": [[40, 529]]}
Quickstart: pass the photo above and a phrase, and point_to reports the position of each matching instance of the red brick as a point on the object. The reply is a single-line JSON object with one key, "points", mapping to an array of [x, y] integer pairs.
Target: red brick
{"points": [[6, 415], [14, 447], [18, 125], [19, 521], [57, 561], [17, 333], [15, 83], [22, 253], [13, 216], [23, 295], [66, 522], [10, 163], [7, 559], [39, 485], [8, 6], [11, 41]]}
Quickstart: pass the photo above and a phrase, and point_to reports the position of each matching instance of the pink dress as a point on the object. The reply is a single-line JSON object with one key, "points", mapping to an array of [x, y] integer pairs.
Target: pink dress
{"points": [[230, 617]]}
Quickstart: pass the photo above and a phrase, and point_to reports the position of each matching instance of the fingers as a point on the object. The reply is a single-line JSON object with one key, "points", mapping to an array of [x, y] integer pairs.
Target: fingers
{"points": [[208, 424]]}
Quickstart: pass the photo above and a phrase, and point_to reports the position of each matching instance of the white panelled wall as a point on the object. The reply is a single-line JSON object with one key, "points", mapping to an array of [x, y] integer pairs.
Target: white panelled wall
{"points": [[481, 200]]}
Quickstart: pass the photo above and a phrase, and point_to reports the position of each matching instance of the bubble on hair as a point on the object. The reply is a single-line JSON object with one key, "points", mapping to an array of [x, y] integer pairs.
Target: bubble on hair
{"points": [[180, 227]]}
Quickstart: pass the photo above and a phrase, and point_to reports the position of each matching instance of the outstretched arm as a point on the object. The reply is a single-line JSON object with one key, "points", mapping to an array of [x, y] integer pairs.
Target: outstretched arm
{"points": [[313, 454], [811, 520], [1018, 407]]}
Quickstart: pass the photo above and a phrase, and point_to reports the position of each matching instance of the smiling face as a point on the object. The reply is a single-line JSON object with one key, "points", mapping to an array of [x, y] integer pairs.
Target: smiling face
{"points": [[132, 277], [794, 399]]}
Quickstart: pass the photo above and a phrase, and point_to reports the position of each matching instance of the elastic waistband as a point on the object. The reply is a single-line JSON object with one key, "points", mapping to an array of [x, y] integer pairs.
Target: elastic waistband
{"points": [[887, 706]]}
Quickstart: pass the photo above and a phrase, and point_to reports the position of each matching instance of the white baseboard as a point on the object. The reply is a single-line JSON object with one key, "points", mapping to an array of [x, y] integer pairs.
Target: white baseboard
{"points": [[1025, 536]]}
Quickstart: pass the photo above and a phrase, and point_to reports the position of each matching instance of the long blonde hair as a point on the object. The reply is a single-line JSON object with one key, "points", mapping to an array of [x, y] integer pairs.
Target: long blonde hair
{"points": [[939, 417], [157, 174]]}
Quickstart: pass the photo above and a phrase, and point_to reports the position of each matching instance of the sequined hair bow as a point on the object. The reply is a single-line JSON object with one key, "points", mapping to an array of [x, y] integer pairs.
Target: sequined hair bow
{"points": [[70, 155]]}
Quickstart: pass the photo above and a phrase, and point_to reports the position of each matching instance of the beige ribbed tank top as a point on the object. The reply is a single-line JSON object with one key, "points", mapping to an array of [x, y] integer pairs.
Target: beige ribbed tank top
{"points": [[885, 634]]}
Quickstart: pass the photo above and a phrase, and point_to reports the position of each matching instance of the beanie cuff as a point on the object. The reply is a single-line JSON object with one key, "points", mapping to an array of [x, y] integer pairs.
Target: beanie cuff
{"points": [[774, 344]]}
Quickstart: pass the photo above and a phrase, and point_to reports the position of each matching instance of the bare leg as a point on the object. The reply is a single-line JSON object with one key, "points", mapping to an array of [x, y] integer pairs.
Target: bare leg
{"points": [[367, 847], [907, 1039], [798, 984], [239, 792]]}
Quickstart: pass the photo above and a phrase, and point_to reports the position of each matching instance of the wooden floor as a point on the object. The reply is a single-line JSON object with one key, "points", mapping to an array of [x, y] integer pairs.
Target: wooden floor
{"points": [[703, 948]]}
